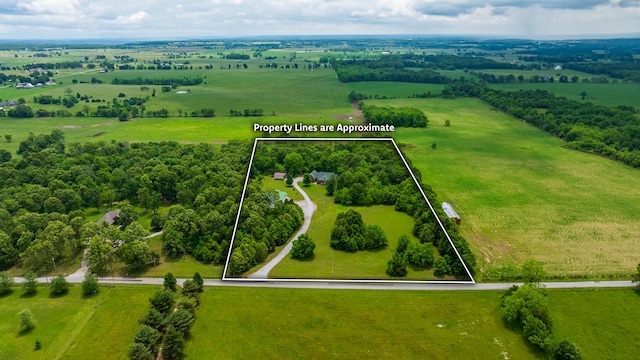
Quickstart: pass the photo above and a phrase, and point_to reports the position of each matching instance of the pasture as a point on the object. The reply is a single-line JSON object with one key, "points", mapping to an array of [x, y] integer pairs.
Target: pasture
{"points": [[361, 324], [521, 195], [71, 326]]}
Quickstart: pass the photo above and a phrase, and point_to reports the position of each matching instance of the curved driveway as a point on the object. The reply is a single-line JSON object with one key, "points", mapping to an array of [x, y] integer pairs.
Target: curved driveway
{"points": [[308, 207]]}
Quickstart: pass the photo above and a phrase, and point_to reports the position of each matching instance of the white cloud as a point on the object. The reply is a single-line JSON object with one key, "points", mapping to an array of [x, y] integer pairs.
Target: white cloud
{"points": [[212, 18], [133, 18]]}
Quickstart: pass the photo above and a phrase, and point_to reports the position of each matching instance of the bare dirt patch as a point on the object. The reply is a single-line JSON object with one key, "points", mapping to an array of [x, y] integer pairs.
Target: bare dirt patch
{"points": [[355, 115], [71, 127], [102, 124]]}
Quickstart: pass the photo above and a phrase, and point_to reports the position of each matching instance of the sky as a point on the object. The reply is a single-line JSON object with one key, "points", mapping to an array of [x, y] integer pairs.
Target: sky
{"points": [[169, 19]]}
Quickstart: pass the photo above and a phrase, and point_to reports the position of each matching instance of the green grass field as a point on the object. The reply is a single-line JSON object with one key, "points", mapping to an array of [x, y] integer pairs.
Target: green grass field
{"points": [[604, 94], [72, 327], [329, 324], [320, 324], [522, 195], [332, 264], [602, 332]]}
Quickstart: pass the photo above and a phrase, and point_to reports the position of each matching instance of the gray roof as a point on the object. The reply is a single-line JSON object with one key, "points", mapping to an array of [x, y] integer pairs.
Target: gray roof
{"points": [[448, 209], [110, 217], [321, 175]]}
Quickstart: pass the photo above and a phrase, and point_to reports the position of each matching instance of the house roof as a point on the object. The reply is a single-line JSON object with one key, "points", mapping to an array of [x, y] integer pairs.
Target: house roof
{"points": [[111, 217], [321, 175], [279, 175], [448, 209]]}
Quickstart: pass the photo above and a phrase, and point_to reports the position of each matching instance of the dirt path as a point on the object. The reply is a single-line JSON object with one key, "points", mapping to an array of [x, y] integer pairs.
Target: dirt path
{"points": [[308, 207]]}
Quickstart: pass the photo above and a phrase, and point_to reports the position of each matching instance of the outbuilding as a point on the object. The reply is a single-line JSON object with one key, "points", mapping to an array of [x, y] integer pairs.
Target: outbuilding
{"points": [[451, 214]]}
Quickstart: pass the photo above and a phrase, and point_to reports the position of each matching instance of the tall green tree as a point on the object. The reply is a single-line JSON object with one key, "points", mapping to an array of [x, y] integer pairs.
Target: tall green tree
{"points": [[6, 281], [532, 272], [303, 247], [30, 283], [26, 320], [170, 282], [90, 284], [173, 344], [397, 265], [59, 285]]}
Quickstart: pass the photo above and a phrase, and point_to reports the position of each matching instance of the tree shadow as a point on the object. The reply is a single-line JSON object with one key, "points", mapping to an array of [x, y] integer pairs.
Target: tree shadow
{"points": [[7, 293], [307, 260], [58, 295], [24, 332], [28, 295]]}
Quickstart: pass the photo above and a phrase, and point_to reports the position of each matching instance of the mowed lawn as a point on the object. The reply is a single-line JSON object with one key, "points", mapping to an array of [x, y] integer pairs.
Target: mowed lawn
{"points": [[73, 327], [248, 323], [342, 265], [521, 195]]}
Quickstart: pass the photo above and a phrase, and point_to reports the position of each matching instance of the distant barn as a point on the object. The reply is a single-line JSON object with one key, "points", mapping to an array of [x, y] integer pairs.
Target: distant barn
{"points": [[279, 176], [452, 214]]}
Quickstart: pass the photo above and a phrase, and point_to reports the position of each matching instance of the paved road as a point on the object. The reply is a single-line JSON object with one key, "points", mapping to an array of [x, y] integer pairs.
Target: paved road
{"points": [[355, 285], [308, 207]]}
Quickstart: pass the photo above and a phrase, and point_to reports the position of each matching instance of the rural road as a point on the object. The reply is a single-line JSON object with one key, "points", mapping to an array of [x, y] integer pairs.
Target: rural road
{"points": [[348, 285], [308, 207]]}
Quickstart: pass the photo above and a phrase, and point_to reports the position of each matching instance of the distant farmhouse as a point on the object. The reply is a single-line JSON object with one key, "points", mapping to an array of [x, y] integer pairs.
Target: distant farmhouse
{"points": [[451, 214], [321, 177], [9, 103], [279, 176]]}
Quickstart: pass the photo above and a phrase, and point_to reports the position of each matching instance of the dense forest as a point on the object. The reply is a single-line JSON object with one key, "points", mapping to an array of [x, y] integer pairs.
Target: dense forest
{"points": [[368, 173], [265, 222], [44, 195], [613, 132]]}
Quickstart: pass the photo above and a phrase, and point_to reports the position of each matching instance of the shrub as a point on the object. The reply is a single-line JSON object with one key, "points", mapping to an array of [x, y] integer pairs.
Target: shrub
{"points": [[90, 284], [59, 285]]}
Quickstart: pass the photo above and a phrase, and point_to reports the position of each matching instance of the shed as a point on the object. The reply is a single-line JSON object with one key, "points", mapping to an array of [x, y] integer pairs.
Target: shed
{"points": [[279, 176], [111, 217], [452, 214]]}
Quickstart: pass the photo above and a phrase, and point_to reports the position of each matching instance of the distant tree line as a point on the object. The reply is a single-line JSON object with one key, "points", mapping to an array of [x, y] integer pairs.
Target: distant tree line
{"points": [[609, 131], [237, 56], [380, 70], [158, 81], [398, 116], [629, 71], [53, 66]]}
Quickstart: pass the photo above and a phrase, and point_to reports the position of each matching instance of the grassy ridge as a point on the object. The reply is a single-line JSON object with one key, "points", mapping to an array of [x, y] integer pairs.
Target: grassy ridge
{"points": [[521, 195]]}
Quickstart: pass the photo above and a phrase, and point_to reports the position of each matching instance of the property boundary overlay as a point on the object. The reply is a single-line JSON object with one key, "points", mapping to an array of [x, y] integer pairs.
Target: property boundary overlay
{"points": [[415, 180]]}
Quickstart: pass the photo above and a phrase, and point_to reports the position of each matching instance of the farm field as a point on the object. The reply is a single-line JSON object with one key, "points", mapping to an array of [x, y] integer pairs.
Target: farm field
{"points": [[215, 130], [604, 94], [70, 326], [302, 324], [327, 263], [325, 324], [521, 195]]}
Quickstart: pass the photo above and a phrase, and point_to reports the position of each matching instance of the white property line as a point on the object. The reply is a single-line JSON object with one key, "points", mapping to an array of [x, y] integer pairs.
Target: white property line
{"points": [[235, 228]]}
